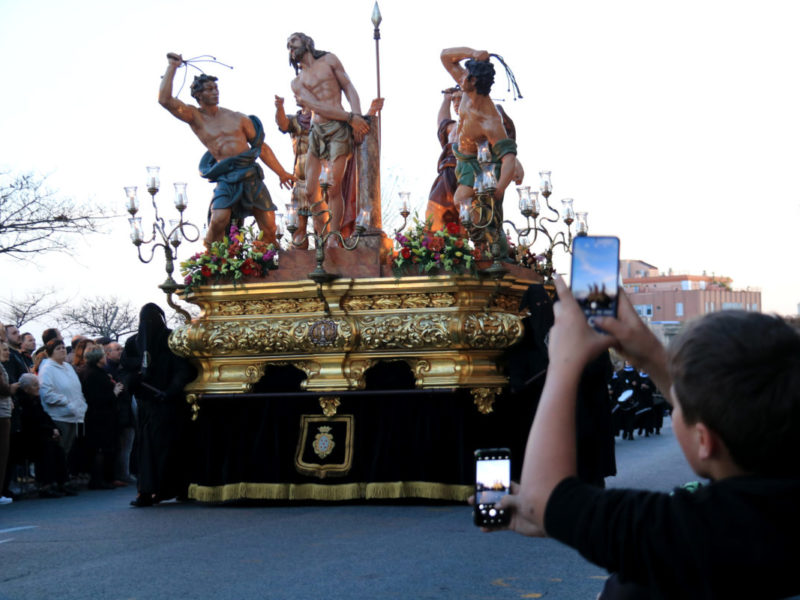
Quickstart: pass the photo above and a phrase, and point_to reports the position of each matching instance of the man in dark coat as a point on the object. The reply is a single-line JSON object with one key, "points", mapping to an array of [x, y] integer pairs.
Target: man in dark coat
{"points": [[156, 377]]}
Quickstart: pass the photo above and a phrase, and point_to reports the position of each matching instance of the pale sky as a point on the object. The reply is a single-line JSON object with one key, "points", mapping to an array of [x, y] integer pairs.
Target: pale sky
{"points": [[674, 124]]}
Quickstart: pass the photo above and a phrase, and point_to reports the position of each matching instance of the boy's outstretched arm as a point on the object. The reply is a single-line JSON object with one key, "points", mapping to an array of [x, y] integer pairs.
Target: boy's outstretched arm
{"points": [[550, 454]]}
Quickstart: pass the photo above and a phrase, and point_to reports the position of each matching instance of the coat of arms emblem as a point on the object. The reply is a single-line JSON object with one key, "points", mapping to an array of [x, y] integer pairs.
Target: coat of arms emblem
{"points": [[323, 443]]}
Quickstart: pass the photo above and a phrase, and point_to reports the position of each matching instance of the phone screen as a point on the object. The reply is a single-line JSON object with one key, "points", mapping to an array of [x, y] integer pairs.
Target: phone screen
{"points": [[492, 482], [595, 275]]}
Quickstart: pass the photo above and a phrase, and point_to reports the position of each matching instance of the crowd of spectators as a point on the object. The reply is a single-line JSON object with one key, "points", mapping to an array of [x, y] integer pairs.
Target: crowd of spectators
{"points": [[66, 417]]}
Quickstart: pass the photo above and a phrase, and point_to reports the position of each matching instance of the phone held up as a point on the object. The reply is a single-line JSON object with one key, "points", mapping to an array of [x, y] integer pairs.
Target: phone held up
{"points": [[492, 482], [595, 275]]}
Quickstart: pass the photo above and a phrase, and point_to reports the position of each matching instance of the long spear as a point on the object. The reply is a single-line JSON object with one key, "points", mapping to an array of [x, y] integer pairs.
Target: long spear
{"points": [[376, 21]]}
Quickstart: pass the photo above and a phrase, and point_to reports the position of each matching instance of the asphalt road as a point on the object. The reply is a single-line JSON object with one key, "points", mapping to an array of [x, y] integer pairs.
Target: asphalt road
{"points": [[96, 546]]}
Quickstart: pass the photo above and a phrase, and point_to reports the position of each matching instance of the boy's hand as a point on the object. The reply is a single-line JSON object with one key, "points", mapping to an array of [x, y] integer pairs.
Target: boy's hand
{"points": [[632, 338], [519, 522], [572, 341]]}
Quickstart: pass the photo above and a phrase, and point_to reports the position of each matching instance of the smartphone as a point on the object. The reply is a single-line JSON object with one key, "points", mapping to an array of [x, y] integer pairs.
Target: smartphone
{"points": [[595, 275], [492, 482]]}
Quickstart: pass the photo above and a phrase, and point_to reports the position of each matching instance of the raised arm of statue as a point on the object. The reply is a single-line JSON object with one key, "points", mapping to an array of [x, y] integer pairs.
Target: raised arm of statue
{"points": [[280, 115], [182, 111], [451, 57]]}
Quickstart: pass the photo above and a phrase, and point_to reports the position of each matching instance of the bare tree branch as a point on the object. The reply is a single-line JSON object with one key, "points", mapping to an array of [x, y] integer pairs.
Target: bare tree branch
{"points": [[102, 317], [33, 306], [35, 219]]}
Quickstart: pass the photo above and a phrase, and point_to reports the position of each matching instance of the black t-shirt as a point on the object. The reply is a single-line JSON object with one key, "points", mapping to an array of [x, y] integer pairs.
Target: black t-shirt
{"points": [[736, 538]]}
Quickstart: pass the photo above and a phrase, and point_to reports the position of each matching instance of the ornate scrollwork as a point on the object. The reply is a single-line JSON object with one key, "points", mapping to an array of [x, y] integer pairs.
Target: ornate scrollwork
{"points": [[442, 300], [507, 303], [192, 401], [268, 307], [254, 372], [416, 301], [354, 372], [407, 331], [270, 336], [179, 340], [492, 330], [329, 404], [484, 398]]}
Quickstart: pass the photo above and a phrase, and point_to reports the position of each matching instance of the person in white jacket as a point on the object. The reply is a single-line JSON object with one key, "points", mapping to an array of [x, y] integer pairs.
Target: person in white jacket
{"points": [[60, 391]]}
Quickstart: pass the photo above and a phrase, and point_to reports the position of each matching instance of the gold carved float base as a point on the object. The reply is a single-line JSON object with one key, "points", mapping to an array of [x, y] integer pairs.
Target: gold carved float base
{"points": [[450, 330]]}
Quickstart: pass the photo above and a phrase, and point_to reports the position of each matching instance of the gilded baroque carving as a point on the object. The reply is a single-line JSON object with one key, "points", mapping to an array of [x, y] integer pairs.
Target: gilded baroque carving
{"points": [[507, 303], [354, 372], [191, 399], [179, 340], [407, 331], [492, 330], [484, 399], [329, 404], [268, 307], [254, 372], [416, 301], [268, 336], [442, 300], [358, 303]]}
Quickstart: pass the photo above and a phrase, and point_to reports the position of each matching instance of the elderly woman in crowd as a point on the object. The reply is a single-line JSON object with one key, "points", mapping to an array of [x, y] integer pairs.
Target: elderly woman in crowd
{"points": [[61, 394], [100, 392], [6, 407], [42, 441]]}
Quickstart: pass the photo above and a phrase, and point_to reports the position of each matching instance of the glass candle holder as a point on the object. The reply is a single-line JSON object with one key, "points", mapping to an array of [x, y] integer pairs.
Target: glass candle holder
{"points": [[136, 230], [181, 202], [131, 202], [174, 232], [484, 152], [153, 182], [489, 178], [581, 223], [525, 204], [405, 203], [545, 185], [567, 212], [326, 174]]}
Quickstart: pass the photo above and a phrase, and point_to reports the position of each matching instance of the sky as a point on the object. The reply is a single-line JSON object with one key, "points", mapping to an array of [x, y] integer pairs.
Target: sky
{"points": [[674, 124]]}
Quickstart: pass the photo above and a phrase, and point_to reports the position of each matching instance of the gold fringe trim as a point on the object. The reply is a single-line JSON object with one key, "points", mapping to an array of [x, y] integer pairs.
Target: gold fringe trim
{"points": [[337, 492]]}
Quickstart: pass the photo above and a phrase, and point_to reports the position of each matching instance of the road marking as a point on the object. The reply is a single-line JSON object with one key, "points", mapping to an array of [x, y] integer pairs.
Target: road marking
{"points": [[19, 528]]}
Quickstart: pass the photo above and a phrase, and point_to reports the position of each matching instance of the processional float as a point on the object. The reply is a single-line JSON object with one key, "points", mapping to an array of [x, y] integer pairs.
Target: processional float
{"points": [[336, 313]]}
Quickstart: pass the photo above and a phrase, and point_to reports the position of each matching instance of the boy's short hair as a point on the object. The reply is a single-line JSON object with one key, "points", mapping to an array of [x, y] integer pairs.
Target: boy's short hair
{"points": [[739, 374]]}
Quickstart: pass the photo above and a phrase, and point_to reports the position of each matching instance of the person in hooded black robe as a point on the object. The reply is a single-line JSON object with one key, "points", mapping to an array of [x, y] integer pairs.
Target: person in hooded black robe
{"points": [[156, 377]]}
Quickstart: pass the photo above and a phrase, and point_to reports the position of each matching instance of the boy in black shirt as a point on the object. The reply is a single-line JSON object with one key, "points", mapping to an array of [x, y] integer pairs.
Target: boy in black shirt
{"points": [[733, 379]]}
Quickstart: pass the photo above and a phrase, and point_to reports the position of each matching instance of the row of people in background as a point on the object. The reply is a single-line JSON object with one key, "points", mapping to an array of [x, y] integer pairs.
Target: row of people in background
{"points": [[636, 403], [76, 414], [66, 413]]}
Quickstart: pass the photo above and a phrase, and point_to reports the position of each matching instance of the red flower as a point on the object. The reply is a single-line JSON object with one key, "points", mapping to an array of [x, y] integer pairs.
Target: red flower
{"points": [[251, 268], [452, 228], [405, 253], [459, 243], [205, 271]]}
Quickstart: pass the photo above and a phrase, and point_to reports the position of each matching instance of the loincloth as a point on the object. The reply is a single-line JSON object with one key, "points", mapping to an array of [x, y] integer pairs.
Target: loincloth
{"points": [[468, 168], [239, 179], [330, 140]]}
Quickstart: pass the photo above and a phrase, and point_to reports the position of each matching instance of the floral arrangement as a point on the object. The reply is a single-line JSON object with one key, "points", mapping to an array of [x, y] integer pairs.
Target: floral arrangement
{"points": [[423, 251], [239, 254]]}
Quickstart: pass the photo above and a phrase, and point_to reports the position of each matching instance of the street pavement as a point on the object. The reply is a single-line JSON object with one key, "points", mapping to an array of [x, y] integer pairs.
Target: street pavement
{"points": [[95, 546]]}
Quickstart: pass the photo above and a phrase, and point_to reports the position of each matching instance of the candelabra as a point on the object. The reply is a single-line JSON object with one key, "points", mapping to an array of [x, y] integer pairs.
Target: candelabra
{"points": [[167, 238], [321, 232], [537, 223]]}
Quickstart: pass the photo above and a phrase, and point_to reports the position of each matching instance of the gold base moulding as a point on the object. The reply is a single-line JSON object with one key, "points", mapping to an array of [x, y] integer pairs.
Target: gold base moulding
{"points": [[450, 330]]}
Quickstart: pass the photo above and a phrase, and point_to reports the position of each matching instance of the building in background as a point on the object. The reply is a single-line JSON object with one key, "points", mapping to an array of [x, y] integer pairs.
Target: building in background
{"points": [[666, 300]]}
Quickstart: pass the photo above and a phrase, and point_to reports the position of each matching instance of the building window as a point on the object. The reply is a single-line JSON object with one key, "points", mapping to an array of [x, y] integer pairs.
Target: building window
{"points": [[686, 284], [754, 307], [732, 306], [702, 285], [679, 309], [712, 307], [644, 310]]}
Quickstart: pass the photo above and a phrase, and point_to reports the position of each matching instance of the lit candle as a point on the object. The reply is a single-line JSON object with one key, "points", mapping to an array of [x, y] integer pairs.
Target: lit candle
{"points": [[463, 212], [175, 232], [153, 182], [581, 223], [132, 203], [489, 178], [484, 153], [568, 213], [180, 197], [136, 230], [405, 204], [278, 225], [545, 185], [535, 204], [363, 218]]}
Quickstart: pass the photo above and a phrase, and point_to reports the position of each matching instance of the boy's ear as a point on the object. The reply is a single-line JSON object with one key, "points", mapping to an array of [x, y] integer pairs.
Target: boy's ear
{"points": [[709, 444]]}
